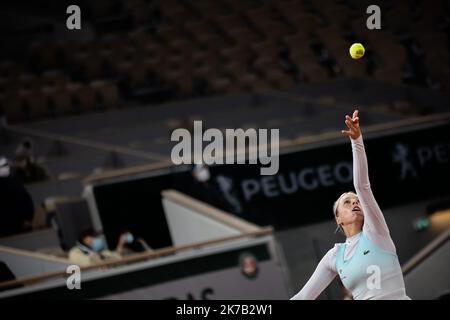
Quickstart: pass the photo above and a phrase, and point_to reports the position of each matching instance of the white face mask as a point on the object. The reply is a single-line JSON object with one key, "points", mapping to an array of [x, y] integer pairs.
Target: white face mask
{"points": [[129, 238], [203, 175]]}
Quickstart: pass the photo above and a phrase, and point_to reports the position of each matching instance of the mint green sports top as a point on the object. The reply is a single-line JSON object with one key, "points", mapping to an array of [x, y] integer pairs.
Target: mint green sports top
{"points": [[371, 272]]}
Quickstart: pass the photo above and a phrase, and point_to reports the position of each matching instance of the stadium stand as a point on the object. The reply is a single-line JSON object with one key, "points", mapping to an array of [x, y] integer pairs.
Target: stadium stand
{"points": [[178, 49]]}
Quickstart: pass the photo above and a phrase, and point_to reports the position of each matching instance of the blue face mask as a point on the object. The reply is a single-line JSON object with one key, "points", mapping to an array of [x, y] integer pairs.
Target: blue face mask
{"points": [[129, 238], [97, 245]]}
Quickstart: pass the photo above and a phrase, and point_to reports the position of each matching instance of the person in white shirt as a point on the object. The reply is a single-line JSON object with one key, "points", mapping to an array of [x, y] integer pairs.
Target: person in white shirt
{"points": [[90, 250], [366, 263]]}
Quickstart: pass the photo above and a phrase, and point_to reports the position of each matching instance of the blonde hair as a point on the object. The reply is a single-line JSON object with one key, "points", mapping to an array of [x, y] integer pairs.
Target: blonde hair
{"points": [[336, 204]]}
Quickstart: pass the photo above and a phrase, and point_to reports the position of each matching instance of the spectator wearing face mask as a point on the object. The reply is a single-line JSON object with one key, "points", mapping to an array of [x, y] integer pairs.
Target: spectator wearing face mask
{"points": [[90, 250], [203, 189], [129, 244], [16, 205]]}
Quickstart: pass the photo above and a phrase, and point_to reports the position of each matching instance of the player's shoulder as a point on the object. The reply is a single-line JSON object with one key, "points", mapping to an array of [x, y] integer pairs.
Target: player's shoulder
{"points": [[333, 251], [331, 254], [329, 258], [337, 245]]}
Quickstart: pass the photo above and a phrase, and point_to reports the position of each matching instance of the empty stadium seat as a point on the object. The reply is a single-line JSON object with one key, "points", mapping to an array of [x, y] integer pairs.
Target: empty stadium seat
{"points": [[242, 36], [9, 69], [82, 96], [279, 79], [58, 99], [389, 74], [52, 77], [313, 72], [108, 93], [13, 107]]}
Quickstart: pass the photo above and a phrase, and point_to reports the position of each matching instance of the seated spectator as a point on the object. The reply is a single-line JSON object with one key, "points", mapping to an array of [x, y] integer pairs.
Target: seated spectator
{"points": [[90, 250], [25, 169], [16, 205], [129, 244]]}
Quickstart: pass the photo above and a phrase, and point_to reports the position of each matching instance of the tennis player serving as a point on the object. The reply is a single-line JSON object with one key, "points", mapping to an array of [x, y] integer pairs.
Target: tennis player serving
{"points": [[366, 263]]}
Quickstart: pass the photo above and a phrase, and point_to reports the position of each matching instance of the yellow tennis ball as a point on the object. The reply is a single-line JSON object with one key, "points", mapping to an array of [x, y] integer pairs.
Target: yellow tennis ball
{"points": [[357, 51]]}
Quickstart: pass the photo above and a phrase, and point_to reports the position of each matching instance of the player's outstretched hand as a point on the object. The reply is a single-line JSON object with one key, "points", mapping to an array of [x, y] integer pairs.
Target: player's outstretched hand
{"points": [[353, 126]]}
